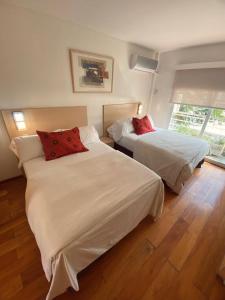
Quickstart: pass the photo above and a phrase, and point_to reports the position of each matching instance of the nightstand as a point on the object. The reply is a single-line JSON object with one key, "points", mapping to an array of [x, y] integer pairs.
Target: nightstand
{"points": [[107, 140]]}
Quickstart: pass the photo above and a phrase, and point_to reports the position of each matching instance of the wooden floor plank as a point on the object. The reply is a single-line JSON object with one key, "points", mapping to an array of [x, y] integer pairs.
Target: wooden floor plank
{"points": [[185, 246], [8, 246], [10, 287], [182, 250], [159, 287], [36, 289]]}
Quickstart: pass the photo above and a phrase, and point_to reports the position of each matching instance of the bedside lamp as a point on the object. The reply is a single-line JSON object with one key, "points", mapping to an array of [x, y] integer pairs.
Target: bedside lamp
{"points": [[19, 120], [140, 108]]}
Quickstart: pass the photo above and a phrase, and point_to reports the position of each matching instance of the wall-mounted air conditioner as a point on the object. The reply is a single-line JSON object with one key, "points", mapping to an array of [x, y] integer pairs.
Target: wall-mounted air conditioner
{"points": [[143, 64]]}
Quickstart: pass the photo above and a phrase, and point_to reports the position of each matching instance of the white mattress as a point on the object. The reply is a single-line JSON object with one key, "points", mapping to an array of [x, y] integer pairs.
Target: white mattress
{"points": [[80, 205], [171, 155]]}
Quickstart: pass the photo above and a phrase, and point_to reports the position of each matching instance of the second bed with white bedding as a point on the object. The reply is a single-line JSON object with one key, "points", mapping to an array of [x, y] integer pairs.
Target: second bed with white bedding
{"points": [[80, 205], [171, 155]]}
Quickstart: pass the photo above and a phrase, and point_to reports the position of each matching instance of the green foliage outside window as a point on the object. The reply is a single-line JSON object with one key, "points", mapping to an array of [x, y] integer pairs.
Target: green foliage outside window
{"points": [[188, 119]]}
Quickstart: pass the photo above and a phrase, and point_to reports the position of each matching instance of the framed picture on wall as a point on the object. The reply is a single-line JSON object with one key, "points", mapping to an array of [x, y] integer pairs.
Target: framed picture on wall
{"points": [[91, 73]]}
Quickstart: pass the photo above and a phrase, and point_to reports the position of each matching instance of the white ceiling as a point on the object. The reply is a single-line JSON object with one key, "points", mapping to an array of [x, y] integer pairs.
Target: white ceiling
{"points": [[158, 24]]}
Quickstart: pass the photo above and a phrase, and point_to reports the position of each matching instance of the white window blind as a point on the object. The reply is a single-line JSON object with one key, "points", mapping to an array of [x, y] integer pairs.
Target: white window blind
{"points": [[203, 87]]}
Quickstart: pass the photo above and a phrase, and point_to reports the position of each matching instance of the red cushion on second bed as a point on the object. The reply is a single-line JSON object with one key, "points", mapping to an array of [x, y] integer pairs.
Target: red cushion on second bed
{"points": [[142, 126], [62, 143]]}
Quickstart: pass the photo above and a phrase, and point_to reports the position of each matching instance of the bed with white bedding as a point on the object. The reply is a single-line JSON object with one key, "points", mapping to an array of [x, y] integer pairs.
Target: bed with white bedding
{"points": [[172, 155], [79, 206]]}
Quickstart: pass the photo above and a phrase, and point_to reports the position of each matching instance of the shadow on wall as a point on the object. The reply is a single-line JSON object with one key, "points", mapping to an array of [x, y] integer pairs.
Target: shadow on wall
{"points": [[8, 161]]}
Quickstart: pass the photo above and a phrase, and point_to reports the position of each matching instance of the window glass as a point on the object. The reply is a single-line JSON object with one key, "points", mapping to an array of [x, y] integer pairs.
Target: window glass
{"points": [[188, 119], [203, 122], [214, 132]]}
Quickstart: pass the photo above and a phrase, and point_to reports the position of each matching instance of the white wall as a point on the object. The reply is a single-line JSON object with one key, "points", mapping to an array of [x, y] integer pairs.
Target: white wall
{"points": [[160, 108], [34, 69]]}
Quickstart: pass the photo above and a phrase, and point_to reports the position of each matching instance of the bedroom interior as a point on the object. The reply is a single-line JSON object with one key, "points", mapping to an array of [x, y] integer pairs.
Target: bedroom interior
{"points": [[112, 143]]}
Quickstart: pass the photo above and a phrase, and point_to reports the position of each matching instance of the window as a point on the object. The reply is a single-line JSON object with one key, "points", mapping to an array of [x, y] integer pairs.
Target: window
{"points": [[206, 123]]}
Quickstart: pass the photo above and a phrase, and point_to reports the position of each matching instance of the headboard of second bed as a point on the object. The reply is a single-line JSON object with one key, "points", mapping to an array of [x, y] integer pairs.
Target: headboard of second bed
{"points": [[114, 112]]}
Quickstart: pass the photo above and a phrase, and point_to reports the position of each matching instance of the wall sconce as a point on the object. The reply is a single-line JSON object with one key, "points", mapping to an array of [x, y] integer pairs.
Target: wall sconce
{"points": [[140, 108], [19, 120]]}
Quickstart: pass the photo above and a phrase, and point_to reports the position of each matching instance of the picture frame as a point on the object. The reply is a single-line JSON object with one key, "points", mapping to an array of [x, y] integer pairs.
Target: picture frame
{"points": [[91, 72]]}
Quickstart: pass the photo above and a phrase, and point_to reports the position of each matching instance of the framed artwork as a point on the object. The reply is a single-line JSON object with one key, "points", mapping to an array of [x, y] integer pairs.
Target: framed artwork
{"points": [[91, 73]]}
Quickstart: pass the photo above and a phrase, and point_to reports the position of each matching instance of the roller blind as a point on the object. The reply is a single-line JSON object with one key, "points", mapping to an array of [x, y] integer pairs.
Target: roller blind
{"points": [[203, 87]]}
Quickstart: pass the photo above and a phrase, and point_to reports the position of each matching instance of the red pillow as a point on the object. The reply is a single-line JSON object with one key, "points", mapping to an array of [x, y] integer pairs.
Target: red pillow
{"points": [[57, 144], [142, 125]]}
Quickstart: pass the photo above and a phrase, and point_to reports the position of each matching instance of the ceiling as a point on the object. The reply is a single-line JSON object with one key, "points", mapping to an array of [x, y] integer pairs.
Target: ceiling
{"points": [[157, 24]]}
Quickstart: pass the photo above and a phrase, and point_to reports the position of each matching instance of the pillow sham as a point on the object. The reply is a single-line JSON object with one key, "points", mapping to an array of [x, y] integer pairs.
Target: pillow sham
{"points": [[120, 128], [89, 135], [61, 143], [13, 148], [26, 147], [142, 126]]}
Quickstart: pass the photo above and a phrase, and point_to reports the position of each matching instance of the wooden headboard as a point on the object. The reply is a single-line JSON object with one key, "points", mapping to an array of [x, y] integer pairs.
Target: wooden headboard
{"points": [[46, 119], [113, 112]]}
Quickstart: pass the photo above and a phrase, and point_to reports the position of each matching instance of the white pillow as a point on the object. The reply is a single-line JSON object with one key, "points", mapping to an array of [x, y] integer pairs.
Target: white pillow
{"points": [[151, 120], [88, 135], [13, 148], [128, 126], [27, 147], [120, 128], [115, 131]]}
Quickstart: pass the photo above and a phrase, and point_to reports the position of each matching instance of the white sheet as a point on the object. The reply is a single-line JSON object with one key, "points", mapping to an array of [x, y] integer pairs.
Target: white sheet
{"points": [[170, 154], [128, 141], [80, 205]]}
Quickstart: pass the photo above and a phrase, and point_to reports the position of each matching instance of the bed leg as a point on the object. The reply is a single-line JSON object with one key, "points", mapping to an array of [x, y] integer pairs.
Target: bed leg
{"points": [[71, 290], [200, 164]]}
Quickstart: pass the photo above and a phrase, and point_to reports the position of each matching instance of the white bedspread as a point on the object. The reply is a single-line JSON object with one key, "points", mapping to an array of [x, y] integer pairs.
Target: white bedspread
{"points": [[79, 206], [170, 154]]}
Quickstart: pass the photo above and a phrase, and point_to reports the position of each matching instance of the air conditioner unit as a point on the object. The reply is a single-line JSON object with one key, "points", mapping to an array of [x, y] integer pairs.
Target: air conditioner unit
{"points": [[143, 64]]}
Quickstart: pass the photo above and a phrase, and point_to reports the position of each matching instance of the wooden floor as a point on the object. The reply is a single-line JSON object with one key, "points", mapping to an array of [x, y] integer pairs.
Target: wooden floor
{"points": [[175, 258]]}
